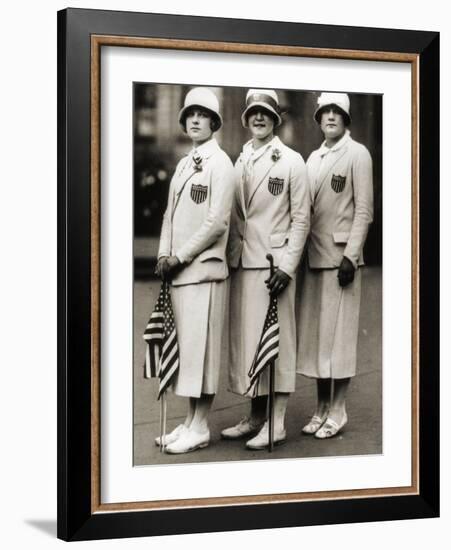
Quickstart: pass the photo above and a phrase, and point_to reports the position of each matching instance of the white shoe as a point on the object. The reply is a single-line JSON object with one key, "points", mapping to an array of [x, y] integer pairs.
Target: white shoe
{"points": [[261, 440], [188, 441], [171, 437], [246, 426], [330, 428], [315, 424]]}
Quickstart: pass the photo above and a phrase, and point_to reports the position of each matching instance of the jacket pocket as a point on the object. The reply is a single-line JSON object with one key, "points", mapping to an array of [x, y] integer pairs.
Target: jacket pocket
{"points": [[277, 240], [210, 256], [341, 237]]}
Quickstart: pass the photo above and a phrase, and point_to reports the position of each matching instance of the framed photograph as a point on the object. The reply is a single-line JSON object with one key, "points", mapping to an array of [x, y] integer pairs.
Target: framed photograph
{"points": [[248, 274]]}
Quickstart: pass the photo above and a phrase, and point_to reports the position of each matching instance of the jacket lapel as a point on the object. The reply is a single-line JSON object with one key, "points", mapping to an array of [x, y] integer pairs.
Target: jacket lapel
{"points": [[325, 172], [264, 167], [186, 173], [312, 187], [240, 191]]}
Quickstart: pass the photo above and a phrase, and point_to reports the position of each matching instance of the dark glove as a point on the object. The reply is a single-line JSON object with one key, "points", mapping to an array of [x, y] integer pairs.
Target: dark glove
{"points": [[168, 267], [162, 268], [278, 282], [174, 266], [345, 272]]}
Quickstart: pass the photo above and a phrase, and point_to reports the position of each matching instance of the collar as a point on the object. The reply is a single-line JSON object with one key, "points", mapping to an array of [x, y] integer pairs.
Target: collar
{"points": [[206, 149], [324, 150], [249, 151]]}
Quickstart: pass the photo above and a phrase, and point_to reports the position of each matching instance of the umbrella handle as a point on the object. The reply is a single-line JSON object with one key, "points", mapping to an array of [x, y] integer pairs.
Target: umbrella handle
{"points": [[270, 259]]}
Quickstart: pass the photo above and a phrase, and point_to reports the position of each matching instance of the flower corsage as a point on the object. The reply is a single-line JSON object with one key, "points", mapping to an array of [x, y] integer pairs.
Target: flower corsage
{"points": [[197, 159], [276, 154]]}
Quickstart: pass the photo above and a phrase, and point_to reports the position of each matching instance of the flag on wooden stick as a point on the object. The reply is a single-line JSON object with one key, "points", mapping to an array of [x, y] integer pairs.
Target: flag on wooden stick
{"points": [[268, 346], [162, 353]]}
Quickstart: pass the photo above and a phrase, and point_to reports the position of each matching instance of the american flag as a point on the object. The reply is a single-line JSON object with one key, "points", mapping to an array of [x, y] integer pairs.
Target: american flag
{"points": [[162, 353], [268, 346]]}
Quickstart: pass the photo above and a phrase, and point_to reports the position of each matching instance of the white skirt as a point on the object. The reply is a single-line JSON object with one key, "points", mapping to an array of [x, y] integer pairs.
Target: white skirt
{"points": [[200, 318], [249, 300], [328, 324]]}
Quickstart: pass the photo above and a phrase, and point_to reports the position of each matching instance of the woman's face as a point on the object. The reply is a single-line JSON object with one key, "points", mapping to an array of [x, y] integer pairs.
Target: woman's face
{"points": [[198, 125], [332, 123], [261, 124]]}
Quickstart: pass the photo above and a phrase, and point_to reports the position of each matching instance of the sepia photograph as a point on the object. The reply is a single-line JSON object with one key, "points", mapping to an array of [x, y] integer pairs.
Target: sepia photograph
{"points": [[248, 256], [257, 299]]}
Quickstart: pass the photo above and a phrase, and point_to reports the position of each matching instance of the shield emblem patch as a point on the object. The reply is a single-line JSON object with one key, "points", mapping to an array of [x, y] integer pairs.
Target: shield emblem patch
{"points": [[338, 183], [199, 193], [275, 186]]}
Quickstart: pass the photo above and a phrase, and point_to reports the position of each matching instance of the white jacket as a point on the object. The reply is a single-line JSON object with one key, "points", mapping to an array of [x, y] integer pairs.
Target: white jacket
{"points": [[341, 190], [197, 218], [276, 217]]}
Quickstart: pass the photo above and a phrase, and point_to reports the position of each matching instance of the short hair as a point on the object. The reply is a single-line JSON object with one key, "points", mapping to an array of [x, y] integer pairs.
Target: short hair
{"points": [[344, 114], [215, 122]]}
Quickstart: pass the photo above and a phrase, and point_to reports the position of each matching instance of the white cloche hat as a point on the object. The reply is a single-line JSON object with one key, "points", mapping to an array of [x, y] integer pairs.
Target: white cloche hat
{"points": [[201, 97], [340, 100], [267, 99]]}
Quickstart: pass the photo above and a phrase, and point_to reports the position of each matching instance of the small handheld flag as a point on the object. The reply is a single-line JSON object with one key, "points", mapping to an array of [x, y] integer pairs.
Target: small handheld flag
{"points": [[268, 346], [162, 353], [266, 355]]}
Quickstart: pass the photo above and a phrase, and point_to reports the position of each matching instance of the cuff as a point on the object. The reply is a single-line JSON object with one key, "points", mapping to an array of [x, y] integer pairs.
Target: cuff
{"points": [[355, 264], [182, 258], [286, 270]]}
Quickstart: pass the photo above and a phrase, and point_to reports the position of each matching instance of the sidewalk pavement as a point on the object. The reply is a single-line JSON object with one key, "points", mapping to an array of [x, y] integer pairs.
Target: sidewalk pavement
{"points": [[361, 436]]}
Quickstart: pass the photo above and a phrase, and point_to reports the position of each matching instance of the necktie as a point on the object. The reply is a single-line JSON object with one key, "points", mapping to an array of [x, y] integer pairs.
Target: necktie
{"points": [[197, 161]]}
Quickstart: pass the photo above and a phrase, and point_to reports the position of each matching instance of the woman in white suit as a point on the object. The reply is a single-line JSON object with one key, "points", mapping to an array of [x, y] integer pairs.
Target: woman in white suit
{"points": [[270, 215], [340, 178], [192, 256]]}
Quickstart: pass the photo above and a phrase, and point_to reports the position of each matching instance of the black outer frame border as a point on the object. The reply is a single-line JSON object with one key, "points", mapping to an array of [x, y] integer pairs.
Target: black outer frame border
{"points": [[75, 521]]}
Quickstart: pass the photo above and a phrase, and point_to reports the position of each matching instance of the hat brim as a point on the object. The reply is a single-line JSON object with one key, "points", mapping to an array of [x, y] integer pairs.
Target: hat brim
{"points": [[213, 114], [319, 110], [265, 107]]}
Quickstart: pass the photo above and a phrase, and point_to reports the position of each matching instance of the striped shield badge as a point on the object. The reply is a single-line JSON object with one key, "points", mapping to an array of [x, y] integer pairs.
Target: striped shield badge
{"points": [[338, 183], [275, 186], [199, 193]]}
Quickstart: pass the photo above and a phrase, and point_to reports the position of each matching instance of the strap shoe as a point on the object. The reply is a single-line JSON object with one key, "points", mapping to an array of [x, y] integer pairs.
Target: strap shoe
{"points": [[330, 428], [315, 424]]}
